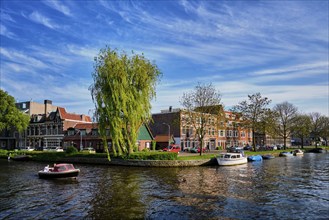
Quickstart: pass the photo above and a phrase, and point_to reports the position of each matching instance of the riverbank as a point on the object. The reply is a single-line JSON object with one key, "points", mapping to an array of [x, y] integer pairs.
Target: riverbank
{"points": [[141, 163], [183, 159]]}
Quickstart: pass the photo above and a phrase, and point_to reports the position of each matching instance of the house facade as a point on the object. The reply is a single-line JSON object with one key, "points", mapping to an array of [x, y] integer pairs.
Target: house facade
{"points": [[47, 126], [85, 135], [224, 132], [11, 139]]}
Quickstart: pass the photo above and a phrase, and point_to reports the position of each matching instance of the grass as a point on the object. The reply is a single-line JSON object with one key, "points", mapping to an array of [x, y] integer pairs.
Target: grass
{"points": [[53, 156]]}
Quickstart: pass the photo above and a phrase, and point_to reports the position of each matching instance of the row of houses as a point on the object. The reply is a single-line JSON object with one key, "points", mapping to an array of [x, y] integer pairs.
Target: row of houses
{"points": [[52, 126]]}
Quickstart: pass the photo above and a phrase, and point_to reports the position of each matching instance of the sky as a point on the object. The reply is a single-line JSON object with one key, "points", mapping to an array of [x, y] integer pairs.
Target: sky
{"points": [[277, 48]]}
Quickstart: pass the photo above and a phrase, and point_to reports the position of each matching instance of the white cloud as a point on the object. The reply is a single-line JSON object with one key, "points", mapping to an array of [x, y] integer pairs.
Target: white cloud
{"points": [[294, 68], [84, 52], [57, 5], [41, 19], [19, 57], [5, 32]]}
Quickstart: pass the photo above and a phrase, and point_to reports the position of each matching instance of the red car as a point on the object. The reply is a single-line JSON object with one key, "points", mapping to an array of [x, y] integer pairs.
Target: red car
{"points": [[203, 150], [173, 148]]}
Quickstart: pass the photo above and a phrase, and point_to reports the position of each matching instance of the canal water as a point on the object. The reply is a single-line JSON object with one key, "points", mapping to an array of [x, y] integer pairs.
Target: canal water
{"points": [[281, 188]]}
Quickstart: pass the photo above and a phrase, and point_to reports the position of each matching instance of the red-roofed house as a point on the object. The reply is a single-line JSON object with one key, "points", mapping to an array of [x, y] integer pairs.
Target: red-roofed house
{"points": [[47, 130], [85, 135]]}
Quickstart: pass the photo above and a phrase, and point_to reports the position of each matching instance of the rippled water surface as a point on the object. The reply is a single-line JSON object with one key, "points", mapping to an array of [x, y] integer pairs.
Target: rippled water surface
{"points": [[281, 188]]}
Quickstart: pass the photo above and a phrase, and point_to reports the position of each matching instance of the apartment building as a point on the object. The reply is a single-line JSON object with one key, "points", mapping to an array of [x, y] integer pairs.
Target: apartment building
{"points": [[221, 132]]}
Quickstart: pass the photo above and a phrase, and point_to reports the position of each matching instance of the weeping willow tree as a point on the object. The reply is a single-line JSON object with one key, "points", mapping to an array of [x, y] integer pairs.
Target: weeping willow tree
{"points": [[122, 91]]}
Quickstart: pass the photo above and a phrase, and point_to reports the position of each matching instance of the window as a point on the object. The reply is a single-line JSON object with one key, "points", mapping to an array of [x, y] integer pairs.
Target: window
{"points": [[83, 132], [70, 132], [94, 132]]}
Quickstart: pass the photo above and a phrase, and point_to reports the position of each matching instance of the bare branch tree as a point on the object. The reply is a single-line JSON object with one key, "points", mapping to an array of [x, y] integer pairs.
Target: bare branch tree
{"points": [[254, 112], [285, 114], [203, 109]]}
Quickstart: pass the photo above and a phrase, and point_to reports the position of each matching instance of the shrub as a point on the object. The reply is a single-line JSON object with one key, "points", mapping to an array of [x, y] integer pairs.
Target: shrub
{"points": [[152, 156], [71, 150]]}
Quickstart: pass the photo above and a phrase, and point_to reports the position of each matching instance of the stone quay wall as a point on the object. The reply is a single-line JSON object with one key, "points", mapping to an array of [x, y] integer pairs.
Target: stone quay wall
{"points": [[142, 163]]}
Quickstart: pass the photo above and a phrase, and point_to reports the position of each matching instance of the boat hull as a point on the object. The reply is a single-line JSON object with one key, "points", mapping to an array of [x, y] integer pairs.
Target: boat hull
{"points": [[231, 162], [267, 157], [22, 158], [255, 158], [53, 175], [286, 154]]}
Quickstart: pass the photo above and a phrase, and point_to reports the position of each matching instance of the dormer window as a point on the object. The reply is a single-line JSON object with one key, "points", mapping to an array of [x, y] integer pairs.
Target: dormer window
{"points": [[70, 132], [83, 132], [94, 132]]}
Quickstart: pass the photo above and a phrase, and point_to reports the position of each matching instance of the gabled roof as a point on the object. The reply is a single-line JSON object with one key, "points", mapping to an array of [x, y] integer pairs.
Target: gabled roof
{"points": [[87, 126], [71, 116]]}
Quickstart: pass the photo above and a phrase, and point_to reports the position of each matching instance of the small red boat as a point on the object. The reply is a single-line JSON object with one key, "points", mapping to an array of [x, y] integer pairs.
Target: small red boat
{"points": [[62, 170]]}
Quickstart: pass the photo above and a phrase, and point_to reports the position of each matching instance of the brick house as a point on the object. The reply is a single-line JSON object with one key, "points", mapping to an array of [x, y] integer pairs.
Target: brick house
{"points": [[224, 133], [47, 130], [86, 135]]}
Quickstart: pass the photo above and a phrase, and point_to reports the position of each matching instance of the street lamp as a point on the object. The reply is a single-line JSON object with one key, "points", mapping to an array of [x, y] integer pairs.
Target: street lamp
{"points": [[168, 133]]}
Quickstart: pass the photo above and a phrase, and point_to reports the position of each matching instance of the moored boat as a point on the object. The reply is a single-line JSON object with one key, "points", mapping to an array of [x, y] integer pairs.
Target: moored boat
{"points": [[255, 158], [268, 156], [286, 154], [229, 159], [21, 157], [298, 152], [62, 170]]}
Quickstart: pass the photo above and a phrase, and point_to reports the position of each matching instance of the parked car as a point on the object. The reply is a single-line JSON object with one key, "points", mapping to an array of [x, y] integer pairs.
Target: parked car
{"points": [[203, 150], [56, 149], [89, 150], [248, 147], [173, 148], [28, 149], [234, 150], [279, 146]]}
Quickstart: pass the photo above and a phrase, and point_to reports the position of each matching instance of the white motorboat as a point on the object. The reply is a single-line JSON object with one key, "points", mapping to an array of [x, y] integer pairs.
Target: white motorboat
{"points": [[298, 152], [229, 159]]}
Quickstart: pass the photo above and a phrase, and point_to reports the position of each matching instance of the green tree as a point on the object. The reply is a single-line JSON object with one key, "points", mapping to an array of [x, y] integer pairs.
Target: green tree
{"points": [[10, 116], [301, 127], [325, 129], [203, 109], [122, 91], [316, 126], [254, 112], [285, 114]]}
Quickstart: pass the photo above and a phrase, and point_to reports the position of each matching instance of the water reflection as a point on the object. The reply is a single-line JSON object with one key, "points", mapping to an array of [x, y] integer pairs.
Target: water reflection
{"points": [[281, 188]]}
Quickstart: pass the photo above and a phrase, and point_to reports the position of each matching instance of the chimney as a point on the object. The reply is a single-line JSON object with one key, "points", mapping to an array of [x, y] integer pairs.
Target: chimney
{"points": [[47, 102]]}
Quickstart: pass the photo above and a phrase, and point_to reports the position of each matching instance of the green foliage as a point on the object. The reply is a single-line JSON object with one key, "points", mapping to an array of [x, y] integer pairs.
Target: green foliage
{"points": [[152, 156], [122, 91], [88, 155], [71, 150], [154, 143], [10, 116]]}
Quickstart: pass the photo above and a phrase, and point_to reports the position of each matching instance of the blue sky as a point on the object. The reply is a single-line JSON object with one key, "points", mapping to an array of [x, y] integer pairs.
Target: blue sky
{"points": [[277, 48]]}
